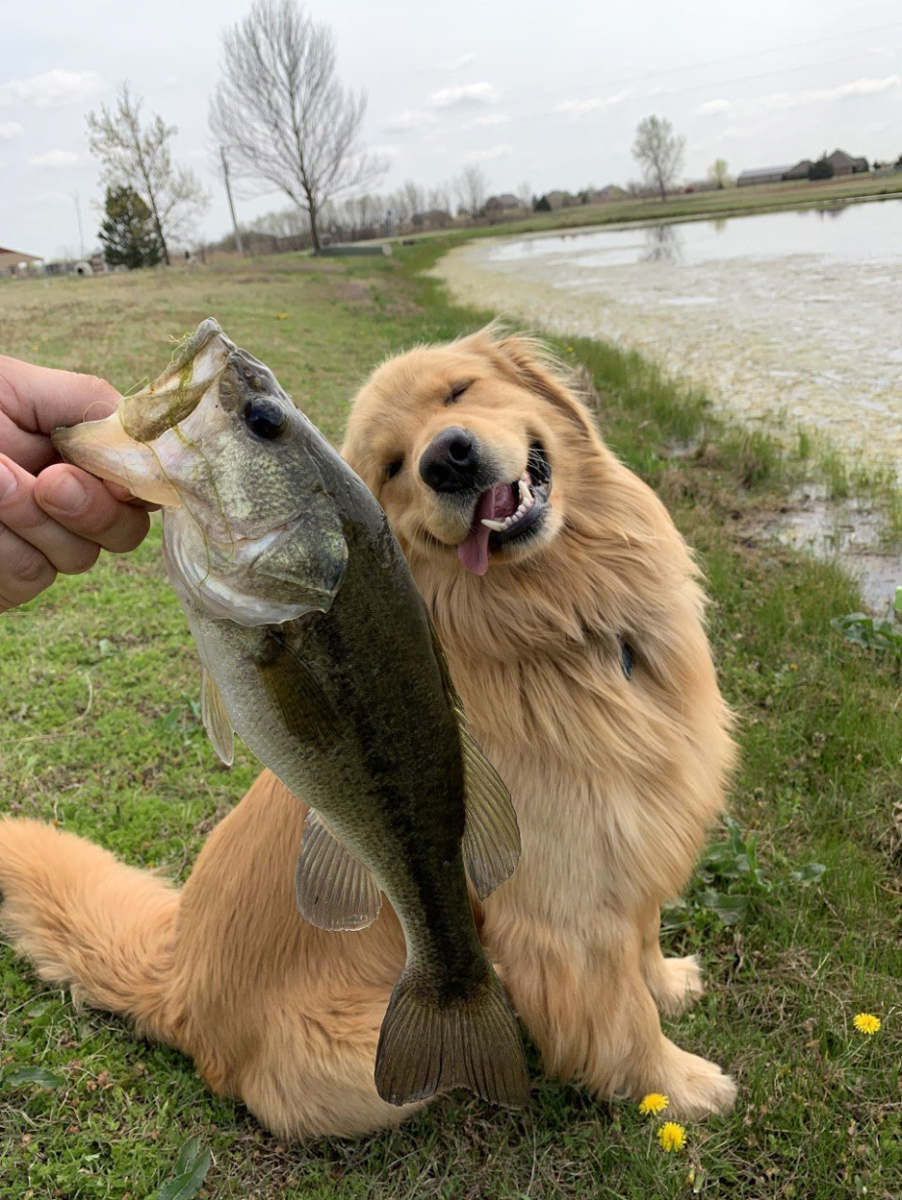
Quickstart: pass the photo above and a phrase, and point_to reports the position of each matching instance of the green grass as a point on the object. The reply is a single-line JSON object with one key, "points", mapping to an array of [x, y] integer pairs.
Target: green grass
{"points": [[99, 731]]}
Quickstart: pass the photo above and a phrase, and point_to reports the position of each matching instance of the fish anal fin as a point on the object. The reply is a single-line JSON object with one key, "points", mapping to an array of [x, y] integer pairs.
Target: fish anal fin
{"points": [[216, 719], [427, 1047], [334, 890], [491, 841]]}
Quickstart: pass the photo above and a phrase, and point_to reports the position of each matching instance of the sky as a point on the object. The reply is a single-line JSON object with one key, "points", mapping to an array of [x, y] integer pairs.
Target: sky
{"points": [[535, 93]]}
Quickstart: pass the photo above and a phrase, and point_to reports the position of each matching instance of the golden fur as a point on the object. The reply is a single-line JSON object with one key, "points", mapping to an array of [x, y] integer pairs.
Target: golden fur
{"points": [[615, 780]]}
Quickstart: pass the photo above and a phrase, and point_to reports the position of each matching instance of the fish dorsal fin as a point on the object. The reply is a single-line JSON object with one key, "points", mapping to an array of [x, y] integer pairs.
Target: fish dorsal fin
{"points": [[216, 719], [334, 890], [491, 842]]}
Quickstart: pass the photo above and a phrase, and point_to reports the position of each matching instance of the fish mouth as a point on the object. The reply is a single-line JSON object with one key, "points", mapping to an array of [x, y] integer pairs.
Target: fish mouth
{"points": [[140, 445], [508, 514]]}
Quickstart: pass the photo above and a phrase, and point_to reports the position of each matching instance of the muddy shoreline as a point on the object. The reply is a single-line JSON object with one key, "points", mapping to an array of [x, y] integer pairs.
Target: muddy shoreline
{"points": [[804, 344]]}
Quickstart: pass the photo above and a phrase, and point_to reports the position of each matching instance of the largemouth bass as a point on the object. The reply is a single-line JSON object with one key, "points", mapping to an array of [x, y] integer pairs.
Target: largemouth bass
{"points": [[318, 651]]}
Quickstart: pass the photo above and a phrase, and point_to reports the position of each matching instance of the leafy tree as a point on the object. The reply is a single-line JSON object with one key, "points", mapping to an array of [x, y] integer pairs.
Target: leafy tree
{"points": [[719, 173], [138, 157], [281, 113], [659, 153], [821, 168], [543, 204], [128, 234]]}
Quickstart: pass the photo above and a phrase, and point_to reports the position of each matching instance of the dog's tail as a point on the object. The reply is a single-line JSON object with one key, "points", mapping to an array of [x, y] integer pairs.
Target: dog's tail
{"points": [[90, 922]]}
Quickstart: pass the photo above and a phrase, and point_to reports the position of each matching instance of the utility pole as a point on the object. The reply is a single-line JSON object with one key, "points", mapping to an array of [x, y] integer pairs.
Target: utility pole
{"points": [[81, 236], [225, 173]]}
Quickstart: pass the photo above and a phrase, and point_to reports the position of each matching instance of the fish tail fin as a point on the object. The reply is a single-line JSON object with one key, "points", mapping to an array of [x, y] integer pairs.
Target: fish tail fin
{"points": [[429, 1045]]}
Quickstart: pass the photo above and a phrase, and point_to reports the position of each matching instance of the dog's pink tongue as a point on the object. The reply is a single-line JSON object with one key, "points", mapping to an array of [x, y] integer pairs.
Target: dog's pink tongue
{"points": [[495, 504]]}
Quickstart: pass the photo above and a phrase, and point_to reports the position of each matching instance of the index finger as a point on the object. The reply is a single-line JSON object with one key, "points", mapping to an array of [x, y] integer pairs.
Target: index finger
{"points": [[38, 399]]}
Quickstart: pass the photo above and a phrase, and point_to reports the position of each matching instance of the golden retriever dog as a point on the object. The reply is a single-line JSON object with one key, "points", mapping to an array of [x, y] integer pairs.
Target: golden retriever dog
{"points": [[572, 618]]}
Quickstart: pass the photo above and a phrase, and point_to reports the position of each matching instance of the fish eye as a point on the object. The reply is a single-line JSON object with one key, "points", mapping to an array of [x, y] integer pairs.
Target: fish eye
{"points": [[264, 419]]}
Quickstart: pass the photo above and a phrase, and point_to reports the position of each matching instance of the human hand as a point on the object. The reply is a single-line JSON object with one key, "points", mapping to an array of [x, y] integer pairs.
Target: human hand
{"points": [[54, 517]]}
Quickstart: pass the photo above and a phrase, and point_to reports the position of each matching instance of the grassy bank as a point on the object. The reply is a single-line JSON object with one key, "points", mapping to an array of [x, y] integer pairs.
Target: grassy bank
{"points": [[99, 731], [714, 205]]}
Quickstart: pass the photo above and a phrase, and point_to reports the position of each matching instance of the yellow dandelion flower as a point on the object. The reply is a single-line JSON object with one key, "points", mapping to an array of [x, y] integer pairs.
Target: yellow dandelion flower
{"points": [[652, 1104], [671, 1136], [281, 316], [866, 1023]]}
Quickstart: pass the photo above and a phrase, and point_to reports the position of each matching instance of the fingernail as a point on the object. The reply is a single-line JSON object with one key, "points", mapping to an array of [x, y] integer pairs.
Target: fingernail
{"points": [[67, 495], [8, 482]]}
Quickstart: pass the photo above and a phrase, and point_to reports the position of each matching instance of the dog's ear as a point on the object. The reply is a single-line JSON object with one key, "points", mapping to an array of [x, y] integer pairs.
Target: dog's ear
{"points": [[535, 367]]}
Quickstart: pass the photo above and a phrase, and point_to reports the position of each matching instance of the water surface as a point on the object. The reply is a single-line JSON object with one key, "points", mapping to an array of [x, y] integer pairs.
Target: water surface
{"points": [[791, 320]]}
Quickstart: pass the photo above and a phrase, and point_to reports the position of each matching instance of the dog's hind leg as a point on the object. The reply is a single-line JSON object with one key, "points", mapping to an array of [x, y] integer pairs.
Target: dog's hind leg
{"points": [[89, 922], [674, 983]]}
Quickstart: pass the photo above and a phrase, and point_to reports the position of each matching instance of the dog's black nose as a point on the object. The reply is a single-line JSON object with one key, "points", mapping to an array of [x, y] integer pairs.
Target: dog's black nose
{"points": [[450, 463]]}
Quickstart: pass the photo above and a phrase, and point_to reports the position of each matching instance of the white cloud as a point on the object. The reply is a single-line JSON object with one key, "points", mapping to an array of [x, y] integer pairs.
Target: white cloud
{"points": [[10, 130], [467, 93], [54, 158], [788, 101], [712, 108], [385, 150], [410, 118], [488, 119], [53, 89], [494, 152], [581, 108], [457, 64]]}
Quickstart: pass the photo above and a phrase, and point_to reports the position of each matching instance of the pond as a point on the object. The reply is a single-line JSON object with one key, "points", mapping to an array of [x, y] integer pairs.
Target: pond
{"points": [[848, 233], [790, 320]]}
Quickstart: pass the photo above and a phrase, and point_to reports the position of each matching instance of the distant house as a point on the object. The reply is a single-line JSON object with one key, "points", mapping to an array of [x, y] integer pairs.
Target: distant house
{"points": [[433, 218], [12, 261], [606, 194], [561, 199], [498, 206], [506, 202], [845, 164], [800, 170], [761, 175]]}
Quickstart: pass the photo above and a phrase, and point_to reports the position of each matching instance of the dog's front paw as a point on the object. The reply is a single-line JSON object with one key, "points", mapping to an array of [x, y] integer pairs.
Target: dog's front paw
{"points": [[695, 1087]]}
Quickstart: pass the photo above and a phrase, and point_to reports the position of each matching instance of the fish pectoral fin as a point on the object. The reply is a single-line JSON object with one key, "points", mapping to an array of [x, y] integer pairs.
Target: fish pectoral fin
{"points": [[491, 841], [216, 719], [428, 1045], [334, 890]]}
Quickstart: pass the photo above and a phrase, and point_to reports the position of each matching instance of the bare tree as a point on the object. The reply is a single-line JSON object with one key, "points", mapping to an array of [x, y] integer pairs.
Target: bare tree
{"points": [[440, 198], [659, 153], [139, 158], [470, 188], [524, 194], [283, 115]]}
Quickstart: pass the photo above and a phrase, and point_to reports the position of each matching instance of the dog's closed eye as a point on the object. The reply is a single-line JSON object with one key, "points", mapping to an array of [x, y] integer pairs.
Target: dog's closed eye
{"points": [[392, 468], [457, 390]]}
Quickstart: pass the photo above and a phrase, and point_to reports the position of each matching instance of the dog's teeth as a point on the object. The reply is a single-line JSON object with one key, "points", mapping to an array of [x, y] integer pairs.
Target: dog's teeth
{"points": [[526, 497], [496, 525]]}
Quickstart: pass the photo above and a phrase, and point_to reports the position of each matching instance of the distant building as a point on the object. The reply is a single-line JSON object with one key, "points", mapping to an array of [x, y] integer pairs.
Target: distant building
{"points": [[506, 204], [604, 195], [561, 199], [845, 164], [433, 218], [800, 170], [762, 175], [12, 261]]}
